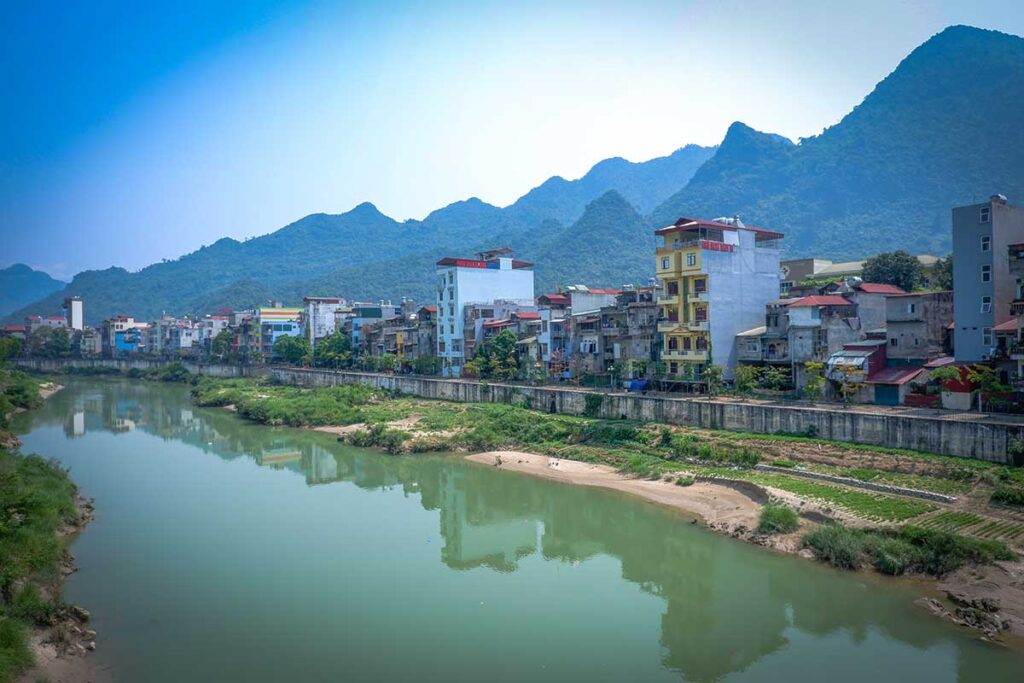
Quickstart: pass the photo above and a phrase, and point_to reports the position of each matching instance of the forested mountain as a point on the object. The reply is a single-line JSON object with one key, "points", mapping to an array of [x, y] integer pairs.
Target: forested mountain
{"points": [[941, 130], [363, 253], [944, 129], [21, 285]]}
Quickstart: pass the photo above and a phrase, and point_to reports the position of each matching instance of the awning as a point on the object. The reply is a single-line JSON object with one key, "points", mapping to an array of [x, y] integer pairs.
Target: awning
{"points": [[527, 341]]}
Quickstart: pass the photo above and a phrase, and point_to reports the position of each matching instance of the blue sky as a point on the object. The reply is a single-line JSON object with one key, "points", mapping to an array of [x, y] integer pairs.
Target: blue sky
{"points": [[130, 134]]}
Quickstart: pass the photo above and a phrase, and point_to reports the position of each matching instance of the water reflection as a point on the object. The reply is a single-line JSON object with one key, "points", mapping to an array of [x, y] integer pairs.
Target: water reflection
{"points": [[726, 606]]}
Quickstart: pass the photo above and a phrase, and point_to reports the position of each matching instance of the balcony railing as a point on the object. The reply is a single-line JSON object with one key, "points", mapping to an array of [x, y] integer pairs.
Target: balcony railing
{"points": [[697, 325], [667, 325], [1017, 307], [1017, 352]]}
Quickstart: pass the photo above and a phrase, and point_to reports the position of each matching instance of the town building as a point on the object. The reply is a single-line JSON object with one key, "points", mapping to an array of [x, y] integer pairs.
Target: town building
{"points": [[122, 335], [366, 316], [717, 276], [917, 326], [983, 287], [492, 276], [74, 312], [276, 322], [552, 337], [53, 322], [796, 271], [321, 316], [1013, 346]]}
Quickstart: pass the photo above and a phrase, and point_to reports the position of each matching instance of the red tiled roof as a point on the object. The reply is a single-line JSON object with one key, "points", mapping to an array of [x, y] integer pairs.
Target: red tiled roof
{"points": [[1008, 326], [555, 298], [685, 223], [478, 263], [497, 323], [432, 309], [819, 300], [894, 375], [13, 328], [598, 290], [876, 288], [526, 315], [939, 362]]}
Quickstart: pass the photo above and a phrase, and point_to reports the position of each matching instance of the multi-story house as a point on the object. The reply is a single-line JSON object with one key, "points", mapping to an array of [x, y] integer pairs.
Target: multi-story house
{"points": [[492, 276], [320, 316], [362, 324], [74, 313], [917, 326], [122, 334], [276, 322], [796, 271], [1010, 334], [552, 337], [717, 276], [983, 287]]}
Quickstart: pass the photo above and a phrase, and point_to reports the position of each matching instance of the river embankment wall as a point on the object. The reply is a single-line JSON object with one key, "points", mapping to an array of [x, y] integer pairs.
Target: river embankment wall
{"points": [[223, 370], [962, 436]]}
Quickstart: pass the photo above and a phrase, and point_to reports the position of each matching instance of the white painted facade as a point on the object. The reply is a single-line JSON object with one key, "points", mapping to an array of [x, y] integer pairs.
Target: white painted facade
{"points": [[461, 282]]}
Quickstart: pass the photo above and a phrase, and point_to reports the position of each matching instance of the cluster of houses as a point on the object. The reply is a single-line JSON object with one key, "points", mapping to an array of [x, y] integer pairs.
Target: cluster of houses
{"points": [[721, 296]]}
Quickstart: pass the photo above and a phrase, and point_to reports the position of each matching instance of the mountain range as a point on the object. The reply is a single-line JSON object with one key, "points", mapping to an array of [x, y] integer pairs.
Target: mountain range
{"points": [[943, 129], [20, 285]]}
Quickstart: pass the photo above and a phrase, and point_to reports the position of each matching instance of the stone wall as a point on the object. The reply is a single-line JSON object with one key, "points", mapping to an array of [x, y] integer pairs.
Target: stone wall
{"points": [[126, 364], [965, 438]]}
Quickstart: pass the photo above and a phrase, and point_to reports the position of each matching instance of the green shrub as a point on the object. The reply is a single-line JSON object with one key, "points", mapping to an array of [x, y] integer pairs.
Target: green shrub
{"points": [[943, 552], [685, 481], [1008, 495], [777, 518], [895, 556], [15, 655], [783, 463], [839, 546], [592, 404]]}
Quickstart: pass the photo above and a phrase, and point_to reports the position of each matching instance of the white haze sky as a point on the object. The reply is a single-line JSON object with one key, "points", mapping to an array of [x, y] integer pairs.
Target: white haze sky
{"points": [[131, 137]]}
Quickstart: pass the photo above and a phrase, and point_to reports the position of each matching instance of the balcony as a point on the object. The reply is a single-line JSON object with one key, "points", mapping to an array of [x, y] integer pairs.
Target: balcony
{"points": [[1017, 307], [668, 325], [696, 325], [668, 300], [1016, 352], [685, 356], [702, 295]]}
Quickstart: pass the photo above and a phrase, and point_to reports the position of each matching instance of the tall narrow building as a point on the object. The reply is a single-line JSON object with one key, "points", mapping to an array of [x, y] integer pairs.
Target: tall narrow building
{"points": [[983, 286], [717, 276], [492, 276]]}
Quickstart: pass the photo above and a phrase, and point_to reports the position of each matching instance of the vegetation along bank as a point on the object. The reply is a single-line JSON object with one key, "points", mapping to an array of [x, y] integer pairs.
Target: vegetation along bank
{"points": [[40, 512], [847, 527]]}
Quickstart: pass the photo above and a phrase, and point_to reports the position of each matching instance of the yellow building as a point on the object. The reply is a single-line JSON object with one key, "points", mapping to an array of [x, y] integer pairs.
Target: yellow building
{"points": [[716, 278]]}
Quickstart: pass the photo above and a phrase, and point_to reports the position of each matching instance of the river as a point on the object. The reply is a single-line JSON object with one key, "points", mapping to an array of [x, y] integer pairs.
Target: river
{"points": [[228, 551]]}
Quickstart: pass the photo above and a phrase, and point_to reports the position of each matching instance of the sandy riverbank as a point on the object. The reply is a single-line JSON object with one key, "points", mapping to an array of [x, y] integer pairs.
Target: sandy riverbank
{"points": [[720, 507]]}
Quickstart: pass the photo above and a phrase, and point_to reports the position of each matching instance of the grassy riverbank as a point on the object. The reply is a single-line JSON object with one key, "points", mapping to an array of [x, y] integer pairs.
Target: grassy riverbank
{"points": [[404, 424], [37, 501]]}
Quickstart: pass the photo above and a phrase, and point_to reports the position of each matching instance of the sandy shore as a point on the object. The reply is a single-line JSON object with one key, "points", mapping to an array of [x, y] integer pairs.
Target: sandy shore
{"points": [[48, 389], [720, 507]]}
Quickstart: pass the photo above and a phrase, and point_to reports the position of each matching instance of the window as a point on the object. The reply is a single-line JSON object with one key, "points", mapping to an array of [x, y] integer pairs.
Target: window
{"points": [[893, 342], [986, 242], [986, 336], [986, 304], [985, 215], [986, 273], [451, 329], [700, 285], [673, 367], [686, 343], [911, 308], [691, 259], [440, 347], [673, 344], [673, 289], [664, 263]]}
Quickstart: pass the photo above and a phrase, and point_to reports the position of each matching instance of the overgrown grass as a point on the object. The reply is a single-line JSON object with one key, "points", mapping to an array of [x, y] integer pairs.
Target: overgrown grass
{"points": [[897, 551], [1008, 495], [777, 518], [36, 499]]}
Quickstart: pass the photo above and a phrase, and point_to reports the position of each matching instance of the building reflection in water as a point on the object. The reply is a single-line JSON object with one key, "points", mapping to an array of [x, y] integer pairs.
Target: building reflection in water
{"points": [[726, 605]]}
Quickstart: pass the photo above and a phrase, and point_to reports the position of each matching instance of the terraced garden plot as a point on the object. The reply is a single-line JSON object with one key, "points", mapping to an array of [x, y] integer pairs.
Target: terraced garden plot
{"points": [[1007, 531], [953, 521]]}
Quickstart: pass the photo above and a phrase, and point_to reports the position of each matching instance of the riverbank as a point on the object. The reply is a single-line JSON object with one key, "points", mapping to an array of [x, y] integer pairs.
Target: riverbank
{"points": [[41, 511]]}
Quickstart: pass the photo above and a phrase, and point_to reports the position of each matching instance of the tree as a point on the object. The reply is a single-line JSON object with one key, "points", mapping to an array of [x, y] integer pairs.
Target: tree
{"points": [[946, 376], [10, 347], [59, 344], [220, 346], [815, 381], [988, 383], [774, 378], [293, 350], [894, 268], [745, 378], [333, 351], [495, 358], [38, 341], [713, 378], [943, 273], [851, 380]]}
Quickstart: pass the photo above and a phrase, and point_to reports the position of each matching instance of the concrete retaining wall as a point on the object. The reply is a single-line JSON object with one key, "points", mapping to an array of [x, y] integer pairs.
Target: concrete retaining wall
{"points": [[126, 364], [965, 438]]}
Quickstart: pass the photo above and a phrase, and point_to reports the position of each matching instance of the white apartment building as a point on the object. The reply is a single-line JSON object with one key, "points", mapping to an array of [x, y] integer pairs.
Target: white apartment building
{"points": [[493, 276]]}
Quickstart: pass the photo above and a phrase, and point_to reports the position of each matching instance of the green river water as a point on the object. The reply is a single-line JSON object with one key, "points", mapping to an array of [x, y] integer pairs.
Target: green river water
{"points": [[228, 551]]}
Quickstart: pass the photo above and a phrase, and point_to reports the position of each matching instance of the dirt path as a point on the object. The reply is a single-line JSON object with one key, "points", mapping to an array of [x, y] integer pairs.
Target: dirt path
{"points": [[721, 507]]}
